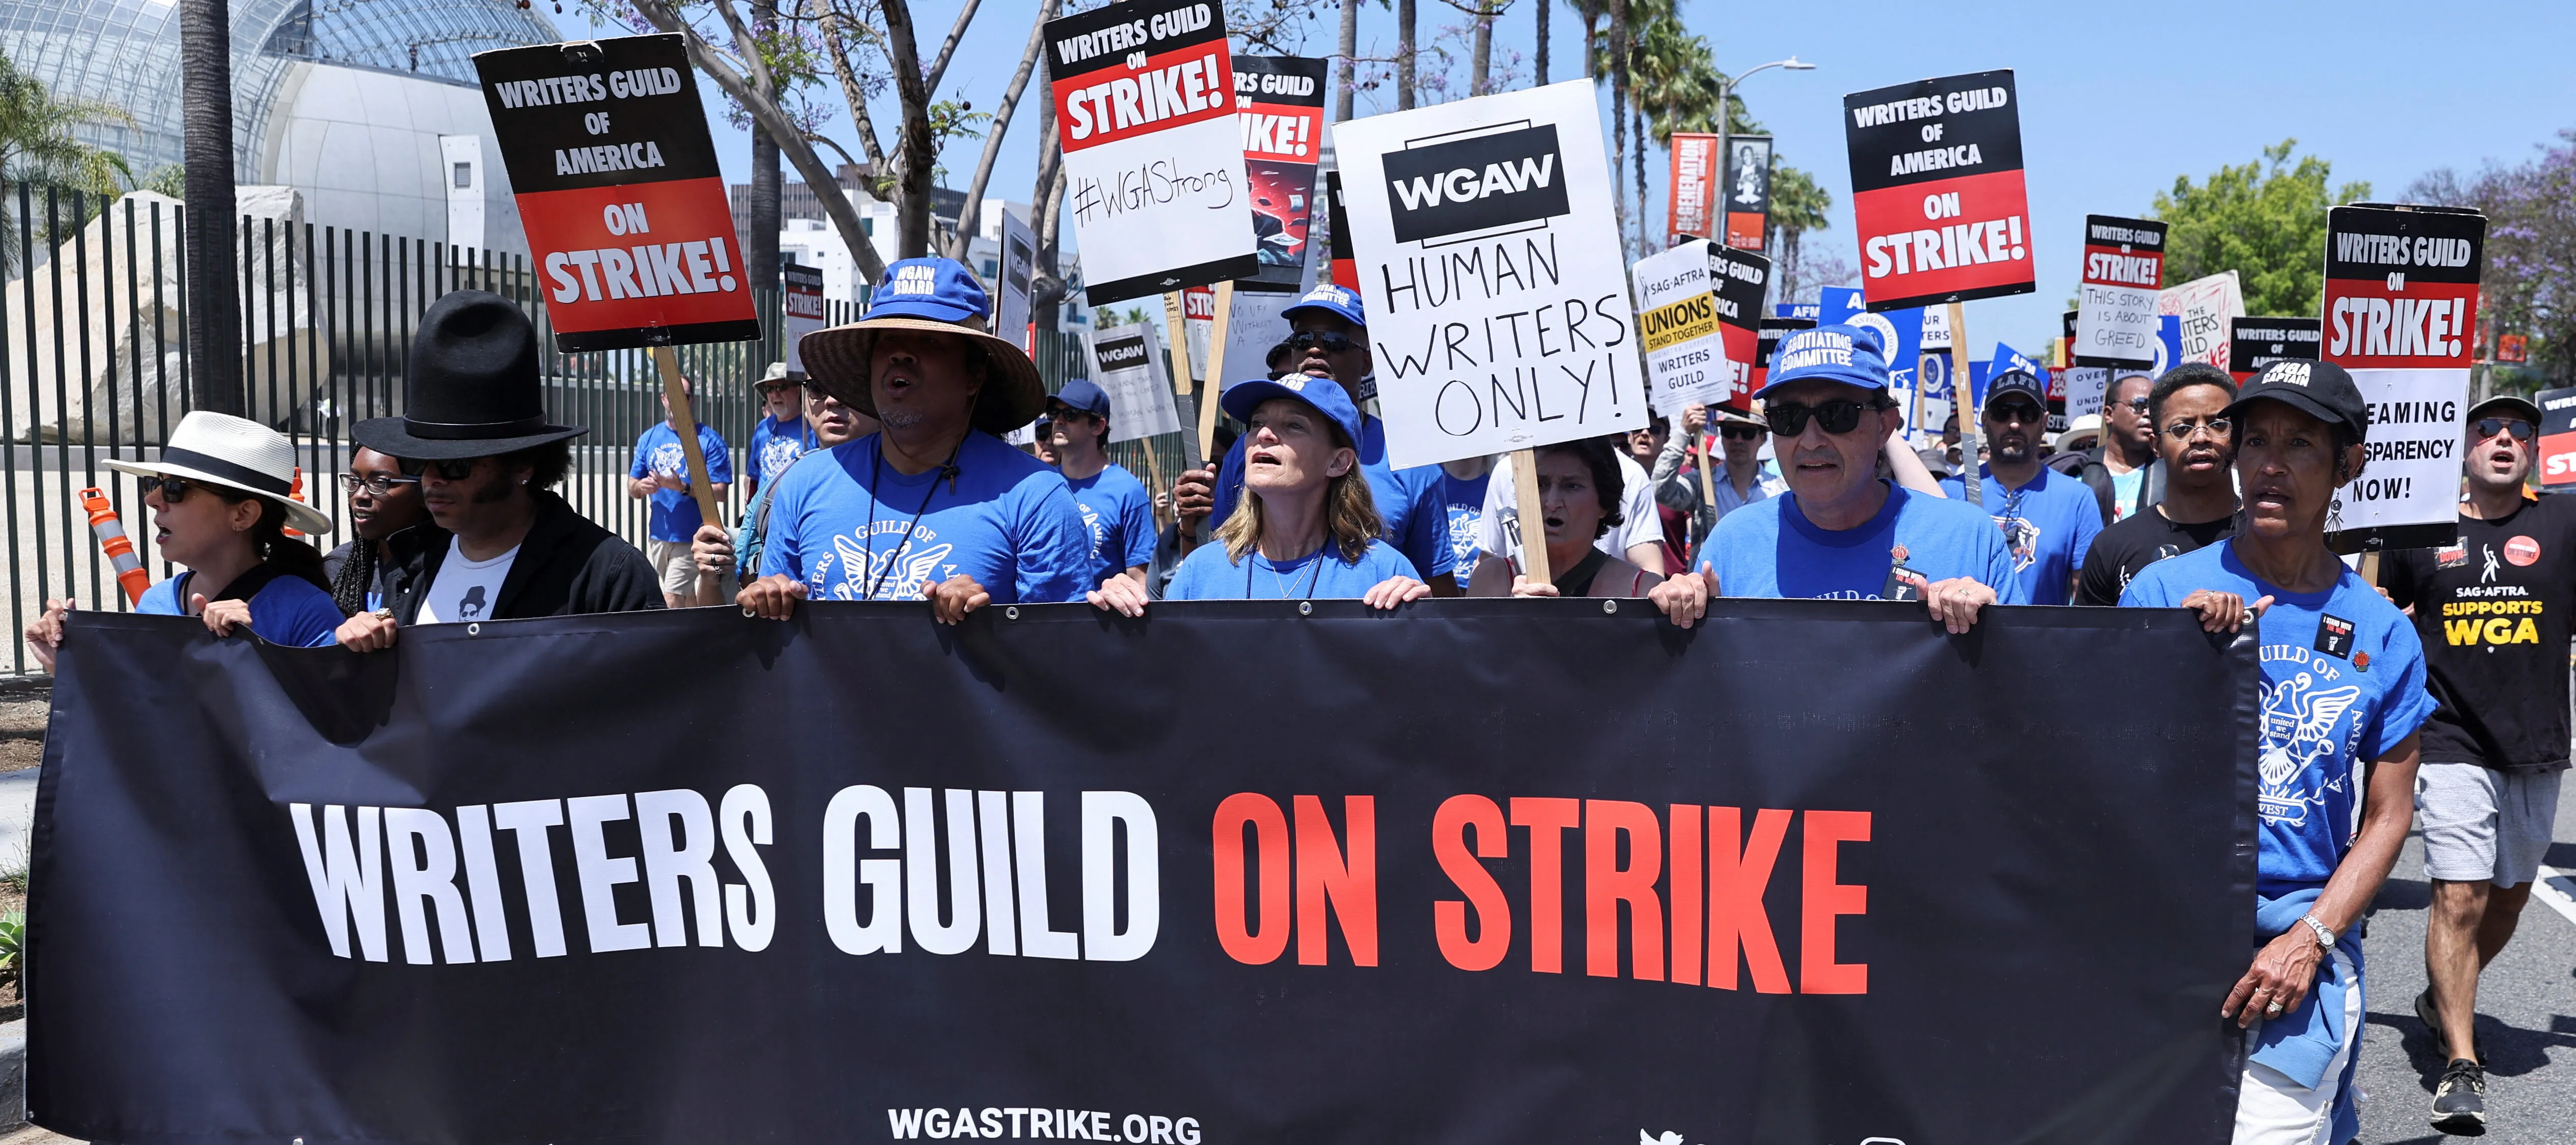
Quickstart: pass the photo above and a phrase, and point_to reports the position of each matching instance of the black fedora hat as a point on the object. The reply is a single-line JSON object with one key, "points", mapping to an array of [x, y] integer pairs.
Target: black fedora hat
{"points": [[471, 389]]}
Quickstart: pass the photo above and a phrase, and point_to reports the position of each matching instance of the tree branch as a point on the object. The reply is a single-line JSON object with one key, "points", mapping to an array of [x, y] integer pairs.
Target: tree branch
{"points": [[970, 212], [852, 91], [956, 32]]}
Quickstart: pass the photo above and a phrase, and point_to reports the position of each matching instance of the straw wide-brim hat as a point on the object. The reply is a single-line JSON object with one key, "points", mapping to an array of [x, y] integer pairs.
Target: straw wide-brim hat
{"points": [[1013, 396], [238, 454]]}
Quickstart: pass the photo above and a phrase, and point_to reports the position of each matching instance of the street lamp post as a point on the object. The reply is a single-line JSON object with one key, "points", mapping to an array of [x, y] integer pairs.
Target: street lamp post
{"points": [[1726, 113]]}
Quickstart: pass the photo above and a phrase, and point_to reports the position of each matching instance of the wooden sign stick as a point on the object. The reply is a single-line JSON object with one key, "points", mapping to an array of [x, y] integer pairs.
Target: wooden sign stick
{"points": [[1176, 320], [702, 490], [1532, 523], [1215, 370], [1962, 401], [1699, 441]]}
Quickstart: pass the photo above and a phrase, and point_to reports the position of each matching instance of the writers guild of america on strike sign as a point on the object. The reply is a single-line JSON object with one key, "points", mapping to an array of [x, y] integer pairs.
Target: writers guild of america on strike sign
{"points": [[1937, 194]]}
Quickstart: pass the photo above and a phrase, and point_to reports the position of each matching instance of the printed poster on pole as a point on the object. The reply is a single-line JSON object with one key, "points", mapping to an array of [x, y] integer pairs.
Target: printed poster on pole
{"points": [[2258, 342], [1937, 194], [2204, 306], [1279, 101], [1677, 317], [1153, 154], [1127, 365], [2115, 310], [800, 308], [618, 189], [2557, 462], [1688, 196], [1496, 292], [1018, 273], [1748, 191], [2401, 297]]}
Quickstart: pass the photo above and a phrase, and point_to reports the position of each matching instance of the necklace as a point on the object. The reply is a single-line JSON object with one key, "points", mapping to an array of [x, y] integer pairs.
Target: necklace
{"points": [[1313, 577], [867, 539]]}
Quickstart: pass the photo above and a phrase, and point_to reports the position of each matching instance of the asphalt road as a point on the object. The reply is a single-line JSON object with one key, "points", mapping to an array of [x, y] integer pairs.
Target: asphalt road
{"points": [[2526, 1013]]}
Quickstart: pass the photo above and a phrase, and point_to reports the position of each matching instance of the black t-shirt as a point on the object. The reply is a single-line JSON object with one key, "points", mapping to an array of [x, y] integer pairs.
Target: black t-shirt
{"points": [[2495, 612], [2136, 541]]}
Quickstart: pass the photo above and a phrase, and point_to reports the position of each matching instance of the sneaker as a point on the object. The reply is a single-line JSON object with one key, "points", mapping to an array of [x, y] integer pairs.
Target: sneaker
{"points": [[2460, 1101], [2431, 1016]]}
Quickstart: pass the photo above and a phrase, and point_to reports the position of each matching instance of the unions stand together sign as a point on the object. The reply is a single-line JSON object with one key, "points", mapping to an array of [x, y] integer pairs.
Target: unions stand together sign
{"points": [[1023, 879]]}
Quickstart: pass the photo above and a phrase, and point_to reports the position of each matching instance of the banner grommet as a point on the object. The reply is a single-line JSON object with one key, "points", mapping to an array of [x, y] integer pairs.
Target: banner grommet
{"points": [[1011, 612], [474, 629], [1609, 608], [1305, 608]]}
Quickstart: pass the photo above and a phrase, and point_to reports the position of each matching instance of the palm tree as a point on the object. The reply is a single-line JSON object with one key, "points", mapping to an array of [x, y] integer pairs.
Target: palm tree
{"points": [[206, 109], [37, 145], [1798, 205]]}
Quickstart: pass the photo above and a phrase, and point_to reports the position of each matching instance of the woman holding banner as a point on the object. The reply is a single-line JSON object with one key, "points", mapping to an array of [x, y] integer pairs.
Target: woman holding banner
{"points": [[221, 504], [1309, 530], [2343, 691], [1580, 490]]}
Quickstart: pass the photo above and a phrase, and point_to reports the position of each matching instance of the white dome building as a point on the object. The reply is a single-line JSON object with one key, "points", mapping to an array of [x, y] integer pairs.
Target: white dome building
{"points": [[368, 107]]}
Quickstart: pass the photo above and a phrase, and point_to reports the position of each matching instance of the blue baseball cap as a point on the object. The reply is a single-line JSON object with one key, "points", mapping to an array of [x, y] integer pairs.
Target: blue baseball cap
{"points": [[2008, 372], [1080, 394], [1846, 354], [1324, 394], [1331, 299], [936, 288]]}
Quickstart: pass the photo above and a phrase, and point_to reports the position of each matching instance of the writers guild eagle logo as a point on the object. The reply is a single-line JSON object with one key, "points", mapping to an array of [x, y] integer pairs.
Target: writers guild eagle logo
{"points": [[1476, 187], [2022, 538], [898, 574], [2299, 721]]}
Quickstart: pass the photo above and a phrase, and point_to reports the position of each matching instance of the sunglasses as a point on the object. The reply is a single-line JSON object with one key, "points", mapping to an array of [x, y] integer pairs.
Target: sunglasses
{"points": [[1742, 432], [2022, 412], [2218, 427], [2139, 405], [1329, 342], [2490, 426], [453, 469], [375, 484], [1789, 419], [173, 489]]}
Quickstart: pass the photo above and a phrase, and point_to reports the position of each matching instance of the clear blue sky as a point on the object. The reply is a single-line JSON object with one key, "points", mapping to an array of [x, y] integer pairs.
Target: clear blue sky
{"points": [[2112, 109]]}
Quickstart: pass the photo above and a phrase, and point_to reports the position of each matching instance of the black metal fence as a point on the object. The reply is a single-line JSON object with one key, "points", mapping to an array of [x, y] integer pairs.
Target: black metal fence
{"points": [[94, 366]]}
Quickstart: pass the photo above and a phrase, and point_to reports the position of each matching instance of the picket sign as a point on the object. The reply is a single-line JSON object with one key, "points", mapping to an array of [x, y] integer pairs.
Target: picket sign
{"points": [[702, 490], [1971, 420]]}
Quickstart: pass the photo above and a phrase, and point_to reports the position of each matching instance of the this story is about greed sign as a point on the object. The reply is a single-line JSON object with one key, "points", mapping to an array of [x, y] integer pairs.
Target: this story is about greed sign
{"points": [[2401, 298], [1153, 156], [2115, 309], [1937, 195], [1497, 295], [618, 189]]}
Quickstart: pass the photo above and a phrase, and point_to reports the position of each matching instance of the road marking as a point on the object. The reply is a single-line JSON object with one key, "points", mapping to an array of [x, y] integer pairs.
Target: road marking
{"points": [[2558, 889]]}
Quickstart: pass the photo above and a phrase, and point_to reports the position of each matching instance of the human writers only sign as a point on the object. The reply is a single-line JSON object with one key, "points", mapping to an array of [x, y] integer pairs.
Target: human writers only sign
{"points": [[1497, 293], [618, 188]]}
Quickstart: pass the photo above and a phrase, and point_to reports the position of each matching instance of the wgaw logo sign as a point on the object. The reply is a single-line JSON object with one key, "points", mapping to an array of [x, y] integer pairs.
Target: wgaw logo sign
{"points": [[1476, 187]]}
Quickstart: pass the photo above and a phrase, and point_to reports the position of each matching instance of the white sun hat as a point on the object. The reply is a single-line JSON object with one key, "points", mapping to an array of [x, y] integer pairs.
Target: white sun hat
{"points": [[236, 453]]}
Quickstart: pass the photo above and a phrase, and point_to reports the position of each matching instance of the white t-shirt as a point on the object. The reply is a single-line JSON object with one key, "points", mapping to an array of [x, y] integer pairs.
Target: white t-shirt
{"points": [[465, 590], [1639, 523]]}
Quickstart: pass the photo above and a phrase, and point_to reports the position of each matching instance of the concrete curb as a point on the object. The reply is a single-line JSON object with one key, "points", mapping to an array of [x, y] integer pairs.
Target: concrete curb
{"points": [[13, 1075]]}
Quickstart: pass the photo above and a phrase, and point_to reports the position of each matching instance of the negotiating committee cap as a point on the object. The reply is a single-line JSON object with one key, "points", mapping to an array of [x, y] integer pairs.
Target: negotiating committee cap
{"points": [[1845, 354]]}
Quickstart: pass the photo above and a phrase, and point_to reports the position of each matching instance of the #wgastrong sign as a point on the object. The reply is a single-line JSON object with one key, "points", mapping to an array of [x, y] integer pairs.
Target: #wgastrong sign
{"points": [[1051, 875]]}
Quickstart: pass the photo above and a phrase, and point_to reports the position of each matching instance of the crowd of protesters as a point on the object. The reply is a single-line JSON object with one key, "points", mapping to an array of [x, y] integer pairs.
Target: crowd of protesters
{"points": [[883, 475]]}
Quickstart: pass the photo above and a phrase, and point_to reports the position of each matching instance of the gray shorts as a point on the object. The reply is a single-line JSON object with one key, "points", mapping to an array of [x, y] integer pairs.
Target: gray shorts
{"points": [[674, 565], [2484, 824]]}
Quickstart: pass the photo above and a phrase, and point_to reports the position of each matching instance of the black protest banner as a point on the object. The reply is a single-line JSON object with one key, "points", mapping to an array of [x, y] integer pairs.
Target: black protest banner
{"points": [[2401, 303], [1937, 191], [1794, 875], [2254, 343], [618, 189], [1153, 157], [1279, 100]]}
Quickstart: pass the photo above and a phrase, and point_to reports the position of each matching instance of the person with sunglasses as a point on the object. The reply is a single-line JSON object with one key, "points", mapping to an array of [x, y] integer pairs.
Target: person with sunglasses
{"points": [[220, 496], [784, 432], [2342, 687], [2495, 610], [829, 423], [1841, 531], [2195, 503], [383, 501], [1306, 527], [1328, 338], [2048, 519], [1738, 475], [474, 431], [2120, 468]]}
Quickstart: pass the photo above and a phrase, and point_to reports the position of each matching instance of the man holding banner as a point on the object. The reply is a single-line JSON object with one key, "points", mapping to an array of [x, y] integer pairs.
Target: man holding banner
{"points": [[935, 506], [1842, 532], [2343, 697]]}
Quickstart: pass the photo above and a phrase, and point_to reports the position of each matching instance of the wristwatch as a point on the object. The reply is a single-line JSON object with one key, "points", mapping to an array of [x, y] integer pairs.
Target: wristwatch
{"points": [[2325, 937]]}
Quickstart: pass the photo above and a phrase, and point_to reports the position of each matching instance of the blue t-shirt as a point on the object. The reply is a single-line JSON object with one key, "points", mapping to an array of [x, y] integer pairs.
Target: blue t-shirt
{"points": [[1769, 548], [1118, 516], [1408, 500], [1207, 574], [1463, 504], [288, 610], [2048, 525], [2334, 697], [775, 445], [1007, 520], [658, 454]]}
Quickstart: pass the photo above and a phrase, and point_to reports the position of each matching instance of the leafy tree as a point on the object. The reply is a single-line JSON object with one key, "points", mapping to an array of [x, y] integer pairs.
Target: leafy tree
{"points": [[1798, 206], [2529, 285], [37, 145], [2264, 220]]}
